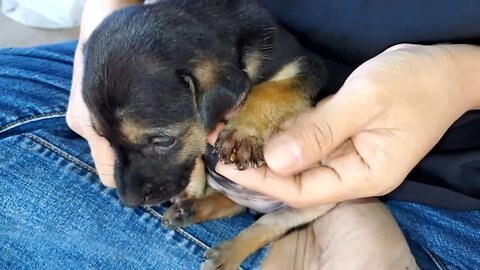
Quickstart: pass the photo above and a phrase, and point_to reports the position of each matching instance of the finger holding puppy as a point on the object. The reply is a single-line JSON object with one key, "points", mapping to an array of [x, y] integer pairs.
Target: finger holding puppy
{"points": [[78, 116], [365, 139]]}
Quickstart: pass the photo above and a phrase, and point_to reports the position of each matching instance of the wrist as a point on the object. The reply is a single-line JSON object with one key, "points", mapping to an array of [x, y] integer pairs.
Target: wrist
{"points": [[465, 68]]}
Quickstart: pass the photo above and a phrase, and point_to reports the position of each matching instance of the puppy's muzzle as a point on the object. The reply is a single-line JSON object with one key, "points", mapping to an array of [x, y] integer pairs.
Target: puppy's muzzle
{"points": [[148, 183]]}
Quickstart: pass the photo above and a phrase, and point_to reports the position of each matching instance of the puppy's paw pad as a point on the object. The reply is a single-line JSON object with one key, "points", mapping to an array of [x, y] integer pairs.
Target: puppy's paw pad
{"points": [[240, 148], [219, 258], [179, 215]]}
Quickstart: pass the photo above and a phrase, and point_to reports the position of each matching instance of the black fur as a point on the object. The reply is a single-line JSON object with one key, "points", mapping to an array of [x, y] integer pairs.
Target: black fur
{"points": [[135, 63]]}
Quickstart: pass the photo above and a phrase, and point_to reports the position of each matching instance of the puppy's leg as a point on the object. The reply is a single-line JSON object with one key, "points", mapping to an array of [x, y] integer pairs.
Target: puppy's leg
{"points": [[213, 205], [270, 227], [267, 106]]}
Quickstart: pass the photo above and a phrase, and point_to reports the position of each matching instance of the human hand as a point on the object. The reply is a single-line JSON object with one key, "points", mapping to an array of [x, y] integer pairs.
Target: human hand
{"points": [[366, 138], [78, 117], [358, 234]]}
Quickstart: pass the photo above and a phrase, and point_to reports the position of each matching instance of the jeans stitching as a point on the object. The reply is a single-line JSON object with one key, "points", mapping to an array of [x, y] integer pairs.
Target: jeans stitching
{"points": [[182, 232], [438, 262], [31, 119], [69, 157], [80, 163]]}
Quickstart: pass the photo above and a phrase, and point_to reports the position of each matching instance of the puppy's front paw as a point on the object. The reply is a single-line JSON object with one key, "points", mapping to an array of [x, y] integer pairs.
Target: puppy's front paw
{"points": [[179, 215], [237, 146], [220, 257]]}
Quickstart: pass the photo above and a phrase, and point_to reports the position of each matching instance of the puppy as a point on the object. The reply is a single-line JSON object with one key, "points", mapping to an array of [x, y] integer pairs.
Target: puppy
{"points": [[158, 78]]}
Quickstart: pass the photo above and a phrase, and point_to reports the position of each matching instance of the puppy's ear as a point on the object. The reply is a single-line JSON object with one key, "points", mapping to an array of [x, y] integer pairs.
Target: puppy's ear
{"points": [[216, 92]]}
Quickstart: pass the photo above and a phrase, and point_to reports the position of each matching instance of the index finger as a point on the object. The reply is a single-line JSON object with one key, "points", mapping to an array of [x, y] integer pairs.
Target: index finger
{"points": [[320, 185], [103, 157]]}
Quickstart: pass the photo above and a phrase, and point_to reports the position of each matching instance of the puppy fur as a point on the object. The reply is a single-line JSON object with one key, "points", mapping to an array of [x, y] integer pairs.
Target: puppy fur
{"points": [[159, 77]]}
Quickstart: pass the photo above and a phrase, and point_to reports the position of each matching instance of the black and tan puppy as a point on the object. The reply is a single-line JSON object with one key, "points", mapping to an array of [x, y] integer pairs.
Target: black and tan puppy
{"points": [[159, 77]]}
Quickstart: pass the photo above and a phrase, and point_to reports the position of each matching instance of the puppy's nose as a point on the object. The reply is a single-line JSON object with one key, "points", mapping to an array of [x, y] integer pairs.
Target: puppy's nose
{"points": [[152, 196], [136, 198]]}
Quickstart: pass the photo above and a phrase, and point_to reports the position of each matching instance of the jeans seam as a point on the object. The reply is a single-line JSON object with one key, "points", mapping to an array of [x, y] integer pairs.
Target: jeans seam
{"points": [[438, 262], [30, 119], [87, 167], [56, 150], [182, 232]]}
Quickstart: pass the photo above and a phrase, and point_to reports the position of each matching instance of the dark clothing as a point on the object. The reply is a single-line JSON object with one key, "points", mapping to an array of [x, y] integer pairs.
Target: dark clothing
{"points": [[347, 33]]}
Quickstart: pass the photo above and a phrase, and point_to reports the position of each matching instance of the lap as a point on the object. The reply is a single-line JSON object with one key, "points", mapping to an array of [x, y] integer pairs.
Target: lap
{"points": [[54, 213], [448, 238]]}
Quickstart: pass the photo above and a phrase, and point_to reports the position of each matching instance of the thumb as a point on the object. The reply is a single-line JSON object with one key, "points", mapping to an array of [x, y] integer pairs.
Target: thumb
{"points": [[103, 157], [310, 138]]}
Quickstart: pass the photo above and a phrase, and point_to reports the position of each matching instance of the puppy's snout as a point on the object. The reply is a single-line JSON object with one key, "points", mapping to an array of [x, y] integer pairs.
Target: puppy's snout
{"points": [[143, 195], [148, 181]]}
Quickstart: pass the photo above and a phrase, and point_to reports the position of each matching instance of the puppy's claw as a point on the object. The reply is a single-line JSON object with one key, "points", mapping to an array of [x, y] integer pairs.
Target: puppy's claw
{"points": [[180, 214], [241, 167], [220, 258], [242, 149]]}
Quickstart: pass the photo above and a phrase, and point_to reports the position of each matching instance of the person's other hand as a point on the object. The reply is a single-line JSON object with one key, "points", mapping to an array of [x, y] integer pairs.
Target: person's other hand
{"points": [[358, 234], [78, 117], [366, 138]]}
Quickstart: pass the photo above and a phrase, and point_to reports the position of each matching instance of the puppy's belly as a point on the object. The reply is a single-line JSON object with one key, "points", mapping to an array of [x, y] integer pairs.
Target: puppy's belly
{"points": [[240, 195]]}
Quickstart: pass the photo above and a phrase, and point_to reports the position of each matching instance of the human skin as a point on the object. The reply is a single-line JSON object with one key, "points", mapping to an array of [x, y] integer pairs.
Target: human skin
{"points": [[78, 117], [360, 142], [364, 140]]}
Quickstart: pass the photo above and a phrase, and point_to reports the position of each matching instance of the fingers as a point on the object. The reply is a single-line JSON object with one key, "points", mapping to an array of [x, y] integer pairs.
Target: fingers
{"points": [[350, 172], [310, 138], [342, 179], [289, 189], [103, 157], [102, 153], [78, 120]]}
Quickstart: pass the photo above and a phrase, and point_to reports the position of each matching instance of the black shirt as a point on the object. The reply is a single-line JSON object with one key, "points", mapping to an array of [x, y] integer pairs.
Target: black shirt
{"points": [[347, 33]]}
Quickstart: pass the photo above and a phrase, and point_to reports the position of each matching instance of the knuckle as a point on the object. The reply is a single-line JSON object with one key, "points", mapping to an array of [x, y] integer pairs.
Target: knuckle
{"points": [[400, 46], [318, 137], [389, 186]]}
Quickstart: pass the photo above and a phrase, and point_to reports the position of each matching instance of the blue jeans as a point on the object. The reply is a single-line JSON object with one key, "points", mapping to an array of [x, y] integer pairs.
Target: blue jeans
{"points": [[55, 214]]}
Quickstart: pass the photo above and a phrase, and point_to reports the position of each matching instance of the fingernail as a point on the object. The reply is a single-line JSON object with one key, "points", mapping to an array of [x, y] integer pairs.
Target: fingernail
{"points": [[282, 153]]}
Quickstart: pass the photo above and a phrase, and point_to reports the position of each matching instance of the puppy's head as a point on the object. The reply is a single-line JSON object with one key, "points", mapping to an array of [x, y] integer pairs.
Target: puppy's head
{"points": [[154, 92]]}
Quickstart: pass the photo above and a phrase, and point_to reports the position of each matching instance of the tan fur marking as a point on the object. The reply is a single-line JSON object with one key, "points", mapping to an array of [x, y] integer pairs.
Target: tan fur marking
{"points": [[215, 205], [198, 181], [253, 62], [205, 72], [193, 143], [288, 71], [267, 229], [132, 130], [267, 106]]}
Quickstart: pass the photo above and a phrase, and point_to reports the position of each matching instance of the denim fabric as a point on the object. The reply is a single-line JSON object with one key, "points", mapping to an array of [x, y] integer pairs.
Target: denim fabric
{"points": [[451, 239], [55, 214]]}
